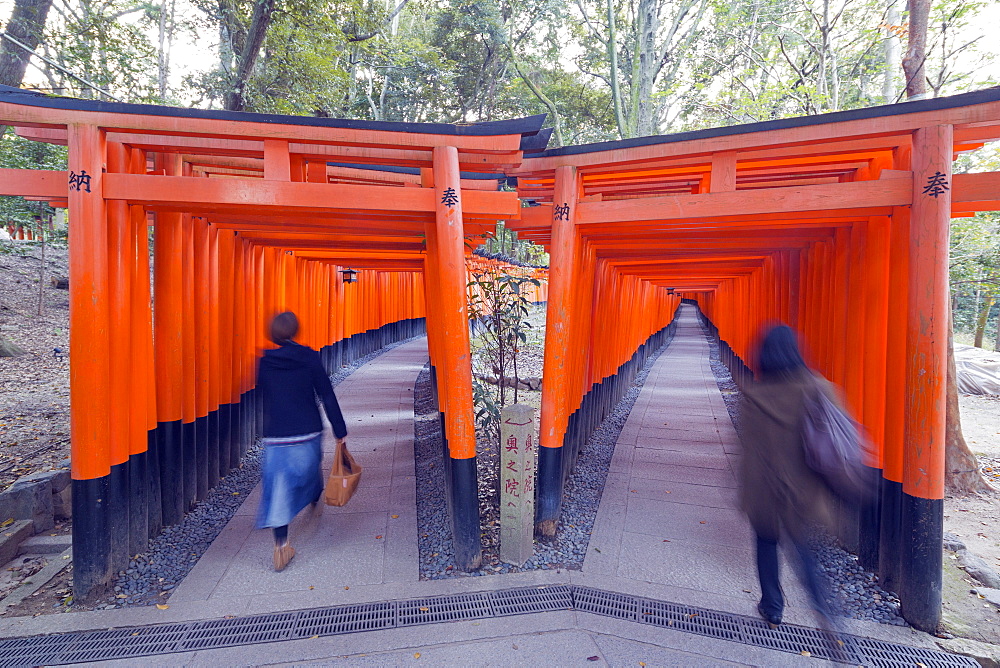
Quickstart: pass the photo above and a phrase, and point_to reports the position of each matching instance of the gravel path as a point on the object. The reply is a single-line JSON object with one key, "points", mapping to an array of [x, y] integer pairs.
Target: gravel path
{"points": [[150, 577], [853, 591], [581, 496]]}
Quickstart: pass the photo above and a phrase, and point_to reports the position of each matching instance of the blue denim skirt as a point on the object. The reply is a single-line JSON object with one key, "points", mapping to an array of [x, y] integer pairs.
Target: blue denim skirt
{"points": [[292, 477]]}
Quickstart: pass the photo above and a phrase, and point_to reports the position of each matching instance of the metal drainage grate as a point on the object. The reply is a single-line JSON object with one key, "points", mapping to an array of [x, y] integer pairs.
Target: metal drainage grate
{"points": [[182, 637]]}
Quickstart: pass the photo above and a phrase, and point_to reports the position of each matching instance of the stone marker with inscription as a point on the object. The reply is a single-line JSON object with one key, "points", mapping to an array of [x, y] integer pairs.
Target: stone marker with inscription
{"points": [[517, 483]]}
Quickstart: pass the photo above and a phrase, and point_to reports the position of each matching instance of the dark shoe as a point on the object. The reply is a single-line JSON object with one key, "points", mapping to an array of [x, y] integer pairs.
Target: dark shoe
{"points": [[771, 619]]}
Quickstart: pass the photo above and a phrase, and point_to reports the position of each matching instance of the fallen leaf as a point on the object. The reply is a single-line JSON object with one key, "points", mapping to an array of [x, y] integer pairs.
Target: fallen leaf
{"points": [[314, 638], [378, 537], [395, 517], [162, 606], [665, 540], [596, 550], [424, 609], [805, 653], [236, 493], [641, 663], [667, 492], [7, 522], [417, 655], [702, 522], [513, 646], [345, 588], [593, 658], [311, 587], [121, 596]]}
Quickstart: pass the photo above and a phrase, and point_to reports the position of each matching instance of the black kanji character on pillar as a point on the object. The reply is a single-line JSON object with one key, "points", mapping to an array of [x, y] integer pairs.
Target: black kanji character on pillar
{"points": [[449, 198], [562, 211], [936, 184], [78, 181]]}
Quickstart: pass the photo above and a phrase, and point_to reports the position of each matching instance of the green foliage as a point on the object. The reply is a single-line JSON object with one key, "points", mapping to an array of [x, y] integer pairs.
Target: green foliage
{"points": [[974, 267], [18, 153], [499, 310]]}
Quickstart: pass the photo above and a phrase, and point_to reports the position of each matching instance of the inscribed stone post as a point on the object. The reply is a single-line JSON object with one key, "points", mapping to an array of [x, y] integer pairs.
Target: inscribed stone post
{"points": [[517, 483]]}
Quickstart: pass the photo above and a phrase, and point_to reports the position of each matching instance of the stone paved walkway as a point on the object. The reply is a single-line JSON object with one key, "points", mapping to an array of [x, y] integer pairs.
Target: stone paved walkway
{"points": [[667, 529]]}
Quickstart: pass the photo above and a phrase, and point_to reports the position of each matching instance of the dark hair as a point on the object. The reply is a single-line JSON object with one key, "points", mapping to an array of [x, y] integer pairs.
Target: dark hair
{"points": [[284, 327], [779, 352]]}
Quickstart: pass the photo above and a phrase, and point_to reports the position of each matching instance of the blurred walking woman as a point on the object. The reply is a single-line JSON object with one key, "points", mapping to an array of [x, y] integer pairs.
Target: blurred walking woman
{"points": [[290, 378], [779, 491]]}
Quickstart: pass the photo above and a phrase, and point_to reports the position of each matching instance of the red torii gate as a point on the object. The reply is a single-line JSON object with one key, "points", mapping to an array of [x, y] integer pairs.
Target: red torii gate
{"points": [[794, 220], [252, 214], [835, 224]]}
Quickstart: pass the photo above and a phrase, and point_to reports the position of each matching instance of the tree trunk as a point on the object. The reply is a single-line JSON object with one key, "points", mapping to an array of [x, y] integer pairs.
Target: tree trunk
{"points": [[263, 13], [890, 51], [961, 470], [27, 22], [616, 91], [996, 341], [984, 316], [649, 63], [916, 49]]}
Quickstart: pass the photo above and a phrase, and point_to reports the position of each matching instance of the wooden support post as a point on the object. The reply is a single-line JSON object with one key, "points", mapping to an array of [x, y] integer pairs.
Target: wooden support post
{"points": [[927, 355], [559, 354], [120, 261], [212, 354], [143, 424], [723, 175], [90, 368], [169, 351], [200, 322], [455, 367]]}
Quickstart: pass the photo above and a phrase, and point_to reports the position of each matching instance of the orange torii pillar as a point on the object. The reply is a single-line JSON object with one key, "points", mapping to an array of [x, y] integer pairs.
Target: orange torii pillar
{"points": [[926, 379], [559, 355], [90, 366], [448, 324]]}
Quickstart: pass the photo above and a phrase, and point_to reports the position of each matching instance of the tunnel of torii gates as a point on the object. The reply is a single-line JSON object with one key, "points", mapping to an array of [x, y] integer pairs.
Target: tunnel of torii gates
{"points": [[835, 224]]}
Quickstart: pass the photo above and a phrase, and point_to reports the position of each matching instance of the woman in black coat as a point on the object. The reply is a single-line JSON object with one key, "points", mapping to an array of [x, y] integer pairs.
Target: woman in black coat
{"points": [[290, 378]]}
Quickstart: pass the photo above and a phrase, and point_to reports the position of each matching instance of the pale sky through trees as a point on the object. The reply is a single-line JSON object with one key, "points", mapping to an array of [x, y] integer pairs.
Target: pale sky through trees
{"points": [[197, 55]]}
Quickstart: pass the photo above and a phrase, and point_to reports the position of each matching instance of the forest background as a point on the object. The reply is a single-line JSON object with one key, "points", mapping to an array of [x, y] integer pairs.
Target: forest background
{"points": [[601, 69]]}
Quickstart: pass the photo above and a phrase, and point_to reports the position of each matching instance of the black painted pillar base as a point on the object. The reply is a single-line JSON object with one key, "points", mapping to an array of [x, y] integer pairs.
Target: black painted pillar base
{"points": [[891, 534], [91, 539], [154, 501], [170, 439], [548, 501], [869, 521], [225, 413], [188, 464], [201, 458], [465, 514], [920, 568], [117, 514], [212, 422], [138, 504]]}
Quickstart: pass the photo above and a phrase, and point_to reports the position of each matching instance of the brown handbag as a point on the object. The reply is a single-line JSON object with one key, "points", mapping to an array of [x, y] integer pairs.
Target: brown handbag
{"points": [[344, 477]]}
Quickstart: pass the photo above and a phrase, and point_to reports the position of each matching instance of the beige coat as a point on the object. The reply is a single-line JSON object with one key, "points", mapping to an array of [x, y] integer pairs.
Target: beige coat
{"points": [[777, 487]]}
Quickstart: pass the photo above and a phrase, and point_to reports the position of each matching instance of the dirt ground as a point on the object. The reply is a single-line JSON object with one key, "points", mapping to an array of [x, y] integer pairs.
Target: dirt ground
{"points": [[976, 520], [34, 426], [34, 387]]}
